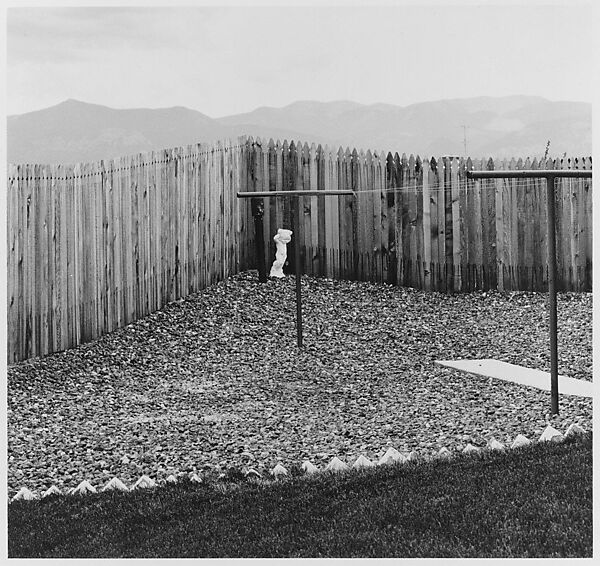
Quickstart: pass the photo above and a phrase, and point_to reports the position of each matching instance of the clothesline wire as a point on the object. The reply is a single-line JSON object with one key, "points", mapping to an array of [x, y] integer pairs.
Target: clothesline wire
{"points": [[462, 185]]}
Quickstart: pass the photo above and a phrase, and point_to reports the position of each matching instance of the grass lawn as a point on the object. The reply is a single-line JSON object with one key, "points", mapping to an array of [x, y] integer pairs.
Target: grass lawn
{"points": [[534, 501]]}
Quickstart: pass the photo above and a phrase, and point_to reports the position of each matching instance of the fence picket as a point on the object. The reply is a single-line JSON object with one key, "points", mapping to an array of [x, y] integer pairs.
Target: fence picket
{"points": [[379, 229], [319, 161], [95, 246], [457, 228], [271, 218], [306, 209]]}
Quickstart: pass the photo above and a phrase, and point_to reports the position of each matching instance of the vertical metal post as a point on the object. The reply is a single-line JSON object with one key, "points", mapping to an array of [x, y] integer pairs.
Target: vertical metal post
{"points": [[552, 294], [550, 176], [296, 236], [258, 209]]}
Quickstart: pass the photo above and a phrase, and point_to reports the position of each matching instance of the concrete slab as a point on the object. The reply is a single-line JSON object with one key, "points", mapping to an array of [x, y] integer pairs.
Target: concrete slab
{"points": [[522, 375]]}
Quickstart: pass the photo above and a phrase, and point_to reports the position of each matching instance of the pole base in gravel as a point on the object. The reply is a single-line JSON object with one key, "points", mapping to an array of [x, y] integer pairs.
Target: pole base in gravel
{"points": [[522, 375]]}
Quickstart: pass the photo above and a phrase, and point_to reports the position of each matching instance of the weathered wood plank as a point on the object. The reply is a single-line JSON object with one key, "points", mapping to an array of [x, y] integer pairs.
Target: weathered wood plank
{"points": [[443, 235], [360, 205], [98, 253], [265, 182], [412, 218], [535, 229], [343, 180], [585, 223], [464, 284], [313, 202], [529, 226], [335, 213], [41, 266], [406, 199], [12, 252], [397, 206], [94, 247], [352, 215], [379, 215], [117, 229], [271, 219], [418, 224], [436, 193], [15, 247], [319, 161], [561, 229], [543, 213], [457, 228], [305, 206], [565, 192], [50, 258], [426, 223], [29, 275], [23, 268]]}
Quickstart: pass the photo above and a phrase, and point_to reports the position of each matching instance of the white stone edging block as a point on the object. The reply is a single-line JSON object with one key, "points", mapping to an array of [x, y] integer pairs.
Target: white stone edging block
{"points": [[309, 467], [362, 462], [493, 444], [24, 494], [520, 440], [53, 490], [391, 455], [550, 433], [443, 453], [115, 484], [143, 483], [83, 488], [336, 465], [195, 478], [252, 473], [279, 471], [470, 449]]}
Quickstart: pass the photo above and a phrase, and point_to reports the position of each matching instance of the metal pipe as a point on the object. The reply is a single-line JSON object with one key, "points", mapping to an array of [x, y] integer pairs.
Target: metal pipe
{"points": [[296, 236], [258, 210], [550, 175], [529, 174], [552, 294], [293, 193]]}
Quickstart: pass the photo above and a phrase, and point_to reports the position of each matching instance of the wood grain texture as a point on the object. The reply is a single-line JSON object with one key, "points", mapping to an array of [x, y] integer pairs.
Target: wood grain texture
{"points": [[93, 247]]}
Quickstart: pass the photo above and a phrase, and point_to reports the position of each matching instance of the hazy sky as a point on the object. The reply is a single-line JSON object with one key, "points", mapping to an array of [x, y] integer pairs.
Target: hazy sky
{"points": [[226, 60]]}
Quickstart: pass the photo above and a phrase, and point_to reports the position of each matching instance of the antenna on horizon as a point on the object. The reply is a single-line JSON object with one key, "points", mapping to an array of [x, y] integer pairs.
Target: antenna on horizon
{"points": [[547, 148]]}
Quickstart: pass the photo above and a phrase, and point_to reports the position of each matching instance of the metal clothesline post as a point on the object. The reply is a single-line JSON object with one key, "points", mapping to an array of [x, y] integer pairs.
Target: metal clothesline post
{"points": [[255, 196], [550, 175]]}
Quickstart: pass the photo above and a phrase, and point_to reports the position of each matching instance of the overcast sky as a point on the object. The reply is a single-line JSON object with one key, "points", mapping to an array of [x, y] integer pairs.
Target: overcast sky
{"points": [[227, 60]]}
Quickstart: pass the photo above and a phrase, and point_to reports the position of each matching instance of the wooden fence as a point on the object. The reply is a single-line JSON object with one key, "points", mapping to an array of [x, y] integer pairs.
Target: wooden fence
{"points": [[94, 247], [422, 223]]}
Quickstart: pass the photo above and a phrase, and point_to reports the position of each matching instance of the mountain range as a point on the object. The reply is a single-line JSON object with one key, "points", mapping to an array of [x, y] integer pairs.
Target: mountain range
{"points": [[498, 127]]}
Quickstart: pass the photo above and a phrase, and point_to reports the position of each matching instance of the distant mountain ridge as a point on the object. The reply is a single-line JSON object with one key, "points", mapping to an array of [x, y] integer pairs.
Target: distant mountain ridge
{"points": [[498, 127]]}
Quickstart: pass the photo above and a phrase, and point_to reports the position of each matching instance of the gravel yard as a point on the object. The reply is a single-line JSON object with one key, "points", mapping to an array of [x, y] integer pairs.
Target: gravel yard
{"points": [[217, 380]]}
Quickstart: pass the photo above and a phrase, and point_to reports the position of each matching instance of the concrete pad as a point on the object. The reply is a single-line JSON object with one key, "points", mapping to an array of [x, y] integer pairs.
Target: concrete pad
{"points": [[521, 375]]}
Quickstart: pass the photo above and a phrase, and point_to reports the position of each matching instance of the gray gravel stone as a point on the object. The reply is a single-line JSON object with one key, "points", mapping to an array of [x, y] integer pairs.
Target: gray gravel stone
{"points": [[365, 380]]}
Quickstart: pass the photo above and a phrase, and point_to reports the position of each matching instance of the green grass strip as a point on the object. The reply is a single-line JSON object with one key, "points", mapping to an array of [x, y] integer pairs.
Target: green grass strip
{"points": [[534, 501]]}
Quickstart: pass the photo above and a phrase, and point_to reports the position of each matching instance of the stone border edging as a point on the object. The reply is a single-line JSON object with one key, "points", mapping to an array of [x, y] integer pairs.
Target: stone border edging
{"points": [[392, 455]]}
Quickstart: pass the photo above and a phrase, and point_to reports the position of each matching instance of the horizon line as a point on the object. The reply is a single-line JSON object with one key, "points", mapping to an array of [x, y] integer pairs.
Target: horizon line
{"points": [[298, 101]]}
